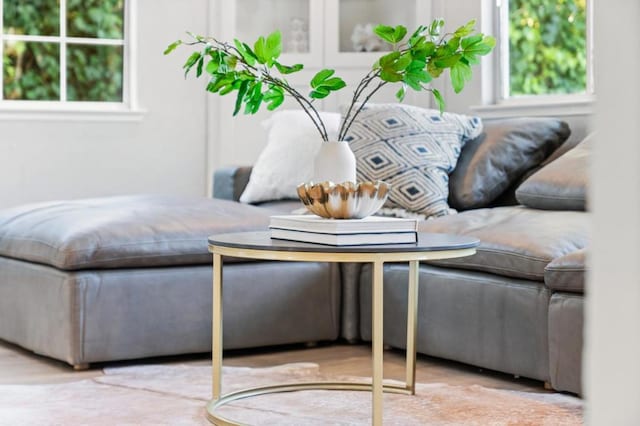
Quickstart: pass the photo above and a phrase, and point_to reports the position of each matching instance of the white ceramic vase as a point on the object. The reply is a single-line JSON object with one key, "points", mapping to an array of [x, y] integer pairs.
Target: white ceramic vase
{"points": [[334, 162]]}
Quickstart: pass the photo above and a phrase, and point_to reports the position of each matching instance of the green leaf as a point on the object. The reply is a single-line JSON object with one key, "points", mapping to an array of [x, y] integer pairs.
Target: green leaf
{"points": [[212, 67], [402, 62], [388, 59], [245, 51], [274, 97], [319, 93], [398, 33], [448, 61], [254, 98], [274, 45], [191, 61], [401, 93], [481, 48], [416, 75], [390, 76], [385, 32], [172, 47], [453, 44], [333, 84], [242, 90], [466, 29], [390, 34], [199, 66], [467, 42], [460, 73], [439, 100], [321, 76], [417, 35], [260, 49], [285, 69]]}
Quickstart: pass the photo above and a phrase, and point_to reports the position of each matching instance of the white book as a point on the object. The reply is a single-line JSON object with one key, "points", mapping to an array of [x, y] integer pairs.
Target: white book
{"points": [[345, 239], [370, 224]]}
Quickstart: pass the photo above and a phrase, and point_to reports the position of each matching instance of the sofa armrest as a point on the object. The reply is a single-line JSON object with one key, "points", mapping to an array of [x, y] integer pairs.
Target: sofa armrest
{"points": [[229, 182]]}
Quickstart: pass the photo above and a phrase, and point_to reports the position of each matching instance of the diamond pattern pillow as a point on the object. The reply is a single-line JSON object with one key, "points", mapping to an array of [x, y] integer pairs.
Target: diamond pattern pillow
{"points": [[413, 149]]}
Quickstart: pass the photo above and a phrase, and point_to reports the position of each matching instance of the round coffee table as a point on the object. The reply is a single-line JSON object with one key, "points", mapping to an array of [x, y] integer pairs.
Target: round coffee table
{"points": [[259, 245]]}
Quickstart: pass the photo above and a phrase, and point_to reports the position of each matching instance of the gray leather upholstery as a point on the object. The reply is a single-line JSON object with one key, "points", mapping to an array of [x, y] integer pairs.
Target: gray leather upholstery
{"points": [[566, 322], [481, 319], [567, 273], [561, 184], [112, 314], [514, 241], [505, 151], [229, 182], [126, 231]]}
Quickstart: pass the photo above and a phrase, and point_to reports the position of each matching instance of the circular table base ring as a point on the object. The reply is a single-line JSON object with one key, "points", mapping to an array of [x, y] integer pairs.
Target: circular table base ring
{"points": [[212, 406]]}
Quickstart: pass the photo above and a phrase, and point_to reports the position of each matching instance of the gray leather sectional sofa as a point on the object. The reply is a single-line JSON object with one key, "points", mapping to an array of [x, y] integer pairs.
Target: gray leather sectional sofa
{"points": [[129, 277]]}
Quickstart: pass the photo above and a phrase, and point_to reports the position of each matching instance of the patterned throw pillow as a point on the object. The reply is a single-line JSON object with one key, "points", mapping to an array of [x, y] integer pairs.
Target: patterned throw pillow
{"points": [[413, 149]]}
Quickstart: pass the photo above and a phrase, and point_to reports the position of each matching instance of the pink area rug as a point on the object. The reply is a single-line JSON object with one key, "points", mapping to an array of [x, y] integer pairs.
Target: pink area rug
{"points": [[176, 395]]}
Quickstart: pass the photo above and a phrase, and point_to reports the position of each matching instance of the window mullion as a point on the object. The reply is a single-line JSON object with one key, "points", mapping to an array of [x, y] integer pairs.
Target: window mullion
{"points": [[63, 50], [589, 35]]}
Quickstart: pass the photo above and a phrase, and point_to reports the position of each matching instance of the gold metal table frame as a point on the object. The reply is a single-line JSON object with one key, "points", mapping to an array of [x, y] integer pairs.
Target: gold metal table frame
{"points": [[377, 387]]}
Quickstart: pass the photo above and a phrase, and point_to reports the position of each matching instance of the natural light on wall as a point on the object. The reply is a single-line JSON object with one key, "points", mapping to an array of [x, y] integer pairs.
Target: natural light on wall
{"points": [[63, 50], [545, 48]]}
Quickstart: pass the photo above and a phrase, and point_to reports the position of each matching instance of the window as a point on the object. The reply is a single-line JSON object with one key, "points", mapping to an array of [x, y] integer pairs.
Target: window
{"points": [[545, 48], [63, 51]]}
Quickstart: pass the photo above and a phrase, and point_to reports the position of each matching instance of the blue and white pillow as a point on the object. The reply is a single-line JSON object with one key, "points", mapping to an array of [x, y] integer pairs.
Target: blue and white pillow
{"points": [[413, 149]]}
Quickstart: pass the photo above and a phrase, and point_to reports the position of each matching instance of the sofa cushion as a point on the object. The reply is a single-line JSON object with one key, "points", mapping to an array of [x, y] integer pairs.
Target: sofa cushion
{"points": [[567, 272], [412, 149], [514, 241], [500, 156], [561, 184], [124, 231], [285, 162]]}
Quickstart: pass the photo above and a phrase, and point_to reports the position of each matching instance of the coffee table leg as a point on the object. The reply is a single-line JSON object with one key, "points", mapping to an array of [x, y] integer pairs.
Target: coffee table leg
{"points": [[377, 321], [216, 341], [412, 325]]}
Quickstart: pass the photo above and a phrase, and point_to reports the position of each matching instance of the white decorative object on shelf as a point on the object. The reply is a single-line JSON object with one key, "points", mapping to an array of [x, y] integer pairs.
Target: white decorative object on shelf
{"points": [[364, 39], [298, 36]]}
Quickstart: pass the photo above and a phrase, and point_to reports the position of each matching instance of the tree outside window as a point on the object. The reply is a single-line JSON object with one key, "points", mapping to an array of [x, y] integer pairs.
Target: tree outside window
{"points": [[78, 59], [547, 47]]}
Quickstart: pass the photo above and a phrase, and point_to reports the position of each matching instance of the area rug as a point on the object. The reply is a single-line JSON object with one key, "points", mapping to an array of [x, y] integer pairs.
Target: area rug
{"points": [[176, 395]]}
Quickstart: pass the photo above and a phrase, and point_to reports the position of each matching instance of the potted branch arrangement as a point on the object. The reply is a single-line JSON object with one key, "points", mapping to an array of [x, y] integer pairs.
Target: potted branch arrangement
{"points": [[257, 78]]}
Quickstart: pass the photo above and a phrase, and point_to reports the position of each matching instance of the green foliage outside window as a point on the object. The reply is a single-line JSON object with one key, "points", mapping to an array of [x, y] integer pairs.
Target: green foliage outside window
{"points": [[31, 70], [547, 47]]}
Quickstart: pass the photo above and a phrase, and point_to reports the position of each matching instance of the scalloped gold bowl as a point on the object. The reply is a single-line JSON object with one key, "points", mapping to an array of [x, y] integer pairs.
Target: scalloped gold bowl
{"points": [[346, 200]]}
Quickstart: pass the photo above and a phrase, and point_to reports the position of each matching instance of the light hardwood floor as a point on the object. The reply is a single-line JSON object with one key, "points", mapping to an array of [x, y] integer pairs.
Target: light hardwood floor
{"points": [[18, 366]]}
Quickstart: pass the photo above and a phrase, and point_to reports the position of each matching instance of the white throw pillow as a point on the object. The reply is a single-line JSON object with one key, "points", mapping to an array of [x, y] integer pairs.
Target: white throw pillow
{"points": [[287, 161]]}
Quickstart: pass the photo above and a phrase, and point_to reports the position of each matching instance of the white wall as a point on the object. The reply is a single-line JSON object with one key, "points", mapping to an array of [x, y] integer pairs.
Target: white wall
{"points": [[165, 151], [612, 355]]}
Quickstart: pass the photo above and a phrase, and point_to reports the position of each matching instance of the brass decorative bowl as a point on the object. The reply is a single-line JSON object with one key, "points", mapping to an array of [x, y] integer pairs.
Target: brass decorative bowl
{"points": [[343, 200]]}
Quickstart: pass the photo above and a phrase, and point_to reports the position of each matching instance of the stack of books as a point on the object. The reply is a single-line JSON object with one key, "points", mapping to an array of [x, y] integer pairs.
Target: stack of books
{"points": [[344, 232]]}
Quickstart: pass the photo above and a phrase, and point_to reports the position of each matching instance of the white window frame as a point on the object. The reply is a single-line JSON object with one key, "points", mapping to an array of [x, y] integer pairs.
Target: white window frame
{"points": [[503, 105], [127, 109]]}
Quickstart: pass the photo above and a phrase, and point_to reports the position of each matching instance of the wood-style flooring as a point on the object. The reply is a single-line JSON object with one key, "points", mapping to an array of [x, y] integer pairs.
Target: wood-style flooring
{"points": [[18, 366]]}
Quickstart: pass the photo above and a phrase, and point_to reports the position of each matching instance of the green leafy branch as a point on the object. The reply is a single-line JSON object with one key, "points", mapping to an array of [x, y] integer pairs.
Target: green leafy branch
{"points": [[418, 59], [257, 77]]}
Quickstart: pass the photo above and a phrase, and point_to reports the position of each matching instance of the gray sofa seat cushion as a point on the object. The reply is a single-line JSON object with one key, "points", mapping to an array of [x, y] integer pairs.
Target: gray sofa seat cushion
{"points": [[567, 272], [123, 231], [514, 241], [561, 184]]}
